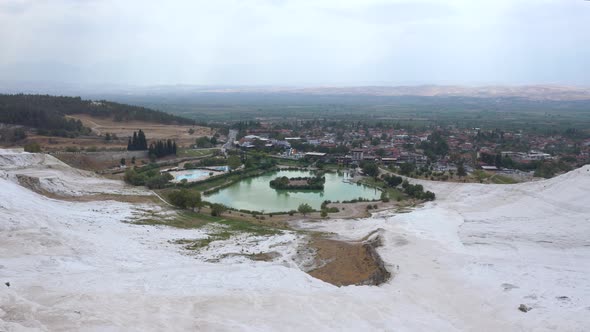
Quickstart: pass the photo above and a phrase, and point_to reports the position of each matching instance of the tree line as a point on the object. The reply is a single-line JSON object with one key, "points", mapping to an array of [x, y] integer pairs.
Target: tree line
{"points": [[48, 113], [162, 148]]}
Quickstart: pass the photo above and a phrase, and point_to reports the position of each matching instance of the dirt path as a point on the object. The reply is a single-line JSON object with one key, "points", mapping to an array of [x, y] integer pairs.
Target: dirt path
{"points": [[160, 197]]}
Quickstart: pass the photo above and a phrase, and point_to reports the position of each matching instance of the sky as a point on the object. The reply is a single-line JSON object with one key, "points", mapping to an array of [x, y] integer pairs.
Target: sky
{"points": [[296, 43]]}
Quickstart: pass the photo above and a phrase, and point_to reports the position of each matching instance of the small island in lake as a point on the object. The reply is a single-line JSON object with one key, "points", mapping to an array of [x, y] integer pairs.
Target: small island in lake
{"points": [[310, 183]]}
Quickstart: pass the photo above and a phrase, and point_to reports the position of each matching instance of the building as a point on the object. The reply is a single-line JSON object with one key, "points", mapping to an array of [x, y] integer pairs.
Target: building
{"points": [[357, 154]]}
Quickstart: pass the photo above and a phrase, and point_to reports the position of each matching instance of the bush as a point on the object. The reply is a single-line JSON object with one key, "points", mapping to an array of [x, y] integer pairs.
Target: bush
{"points": [[384, 197], [150, 178], [304, 209], [33, 147], [185, 198], [217, 209], [324, 214]]}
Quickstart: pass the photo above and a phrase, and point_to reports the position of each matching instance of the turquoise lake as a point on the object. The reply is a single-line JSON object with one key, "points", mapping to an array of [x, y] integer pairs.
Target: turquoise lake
{"points": [[255, 194]]}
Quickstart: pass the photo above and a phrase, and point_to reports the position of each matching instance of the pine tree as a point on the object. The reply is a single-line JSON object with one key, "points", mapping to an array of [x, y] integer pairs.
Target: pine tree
{"points": [[134, 141], [141, 141]]}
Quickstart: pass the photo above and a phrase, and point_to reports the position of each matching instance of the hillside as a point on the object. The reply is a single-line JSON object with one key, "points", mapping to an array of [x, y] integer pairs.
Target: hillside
{"points": [[464, 262], [48, 113]]}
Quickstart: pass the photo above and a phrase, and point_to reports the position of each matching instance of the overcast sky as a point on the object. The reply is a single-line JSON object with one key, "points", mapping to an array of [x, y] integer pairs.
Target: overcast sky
{"points": [[289, 42]]}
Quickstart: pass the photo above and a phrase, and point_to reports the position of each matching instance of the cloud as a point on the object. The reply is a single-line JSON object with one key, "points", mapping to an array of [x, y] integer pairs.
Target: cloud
{"points": [[296, 42]]}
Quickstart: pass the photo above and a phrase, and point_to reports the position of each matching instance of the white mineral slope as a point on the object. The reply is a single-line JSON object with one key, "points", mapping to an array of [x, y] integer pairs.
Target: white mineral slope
{"points": [[486, 249], [57, 177], [462, 263]]}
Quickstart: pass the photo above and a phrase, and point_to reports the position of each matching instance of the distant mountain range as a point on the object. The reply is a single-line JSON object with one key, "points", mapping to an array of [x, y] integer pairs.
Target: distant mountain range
{"points": [[533, 92], [536, 92]]}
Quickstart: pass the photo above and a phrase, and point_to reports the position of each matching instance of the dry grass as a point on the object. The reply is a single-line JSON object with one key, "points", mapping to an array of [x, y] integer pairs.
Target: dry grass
{"points": [[180, 133]]}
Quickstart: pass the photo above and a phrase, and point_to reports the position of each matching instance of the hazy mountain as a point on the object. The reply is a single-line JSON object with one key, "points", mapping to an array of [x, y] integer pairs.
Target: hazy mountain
{"points": [[535, 92]]}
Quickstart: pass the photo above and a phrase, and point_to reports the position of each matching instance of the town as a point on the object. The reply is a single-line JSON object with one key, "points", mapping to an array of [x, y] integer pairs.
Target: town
{"points": [[437, 153]]}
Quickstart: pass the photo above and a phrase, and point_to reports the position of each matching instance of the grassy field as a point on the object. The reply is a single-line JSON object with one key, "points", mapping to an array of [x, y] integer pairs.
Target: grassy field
{"points": [[220, 228], [185, 152], [180, 133]]}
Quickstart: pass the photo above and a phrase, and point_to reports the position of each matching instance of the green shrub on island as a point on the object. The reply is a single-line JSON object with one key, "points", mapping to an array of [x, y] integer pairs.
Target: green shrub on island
{"points": [[309, 183]]}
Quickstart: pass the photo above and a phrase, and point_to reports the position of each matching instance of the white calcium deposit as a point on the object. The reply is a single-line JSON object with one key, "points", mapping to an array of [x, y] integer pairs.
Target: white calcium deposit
{"points": [[465, 262]]}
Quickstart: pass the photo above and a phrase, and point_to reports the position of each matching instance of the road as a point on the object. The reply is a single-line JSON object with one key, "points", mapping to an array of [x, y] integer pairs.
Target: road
{"points": [[231, 137]]}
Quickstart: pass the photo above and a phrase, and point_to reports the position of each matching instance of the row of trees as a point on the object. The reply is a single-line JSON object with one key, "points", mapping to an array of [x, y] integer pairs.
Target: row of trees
{"points": [[311, 183], [159, 149], [138, 142], [162, 148]]}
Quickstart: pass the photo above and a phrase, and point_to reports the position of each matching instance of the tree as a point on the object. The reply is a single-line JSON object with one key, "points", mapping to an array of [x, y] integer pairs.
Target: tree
{"points": [[203, 142], [234, 162], [138, 142], [122, 161], [304, 209], [461, 170], [370, 169], [407, 168], [217, 209], [185, 199], [141, 141]]}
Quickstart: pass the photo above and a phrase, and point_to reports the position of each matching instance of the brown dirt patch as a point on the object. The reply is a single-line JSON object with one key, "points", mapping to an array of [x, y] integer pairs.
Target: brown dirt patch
{"points": [[348, 263]]}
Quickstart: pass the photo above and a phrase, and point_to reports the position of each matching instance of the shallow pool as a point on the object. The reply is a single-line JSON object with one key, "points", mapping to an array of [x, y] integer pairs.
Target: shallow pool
{"points": [[191, 175]]}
